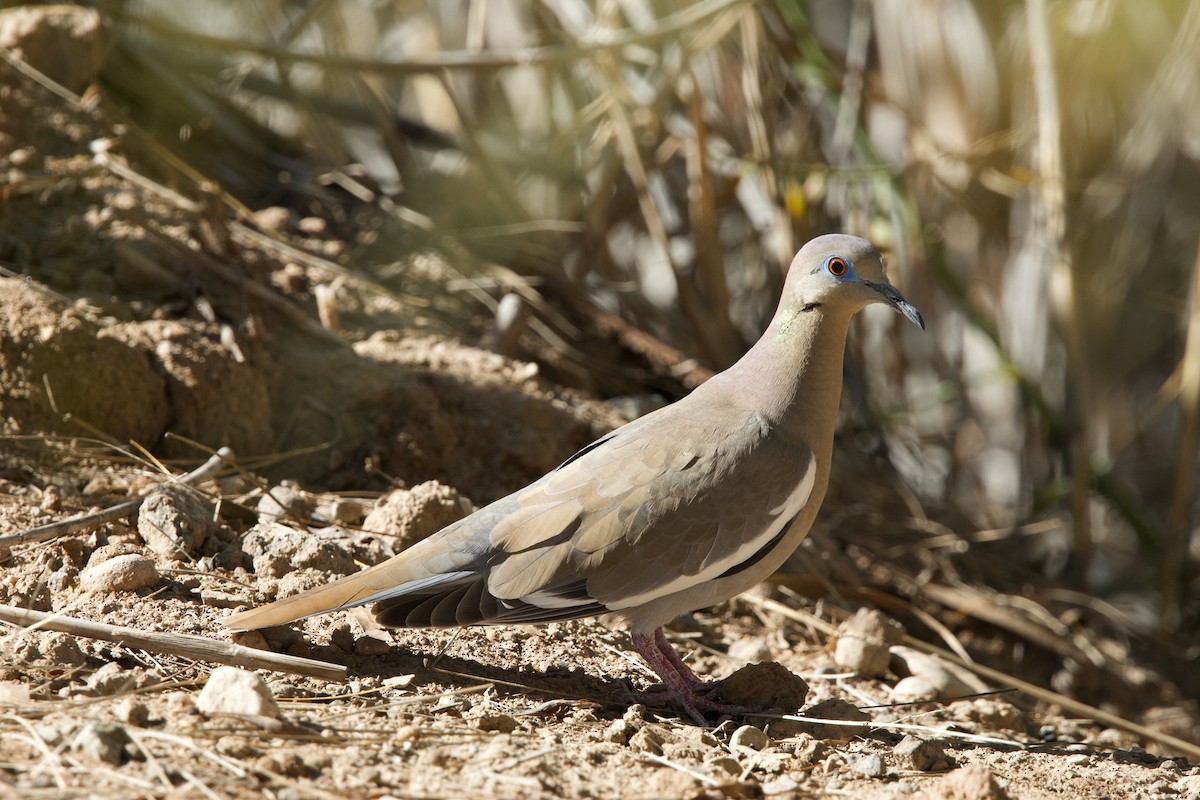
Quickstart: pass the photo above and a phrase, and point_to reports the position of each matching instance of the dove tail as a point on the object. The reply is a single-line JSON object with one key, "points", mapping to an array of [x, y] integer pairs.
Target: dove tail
{"points": [[392, 578]]}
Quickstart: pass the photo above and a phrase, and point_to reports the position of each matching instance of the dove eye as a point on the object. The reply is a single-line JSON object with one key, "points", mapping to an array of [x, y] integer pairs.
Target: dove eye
{"points": [[837, 266]]}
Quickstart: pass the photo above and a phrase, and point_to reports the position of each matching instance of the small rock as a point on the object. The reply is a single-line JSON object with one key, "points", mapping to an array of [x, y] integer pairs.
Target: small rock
{"points": [[60, 648], [834, 708], [1188, 787], [284, 501], [62, 579], [342, 637], [65, 43], [343, 510], [50, 734], [869, 765], [618, 732], [23, 157], [111, 678], [913, 689], [990, 713], [635, 715], [287, 763], [810, 751], [231, 690], [313, 226], [726, 764], [370, 645], [174, 520], [863, 642], [13, 693], [767, 685], [102, 740], [132, 711], [490, 721], [948, 680], [280, 552], [923, 755], [649, 740], [273, 218], [780, 785], [236, 747], [750, 737], [972, 782], [126, 573]]}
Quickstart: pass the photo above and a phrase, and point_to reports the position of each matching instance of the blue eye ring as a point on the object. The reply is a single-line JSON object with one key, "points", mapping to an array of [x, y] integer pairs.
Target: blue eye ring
{"points": [[837, 266]]}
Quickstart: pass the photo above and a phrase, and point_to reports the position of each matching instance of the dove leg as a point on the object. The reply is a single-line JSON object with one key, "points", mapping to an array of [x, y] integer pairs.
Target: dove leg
{"points": [[680, 684], [678, 664]]}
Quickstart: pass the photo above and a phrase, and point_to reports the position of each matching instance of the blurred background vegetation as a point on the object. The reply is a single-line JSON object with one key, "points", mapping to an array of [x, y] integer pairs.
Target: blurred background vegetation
{"points": [[646, 167]]}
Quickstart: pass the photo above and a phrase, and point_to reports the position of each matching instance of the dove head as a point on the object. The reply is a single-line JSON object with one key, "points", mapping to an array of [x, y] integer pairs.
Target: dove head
{"points": [[841, 273]]}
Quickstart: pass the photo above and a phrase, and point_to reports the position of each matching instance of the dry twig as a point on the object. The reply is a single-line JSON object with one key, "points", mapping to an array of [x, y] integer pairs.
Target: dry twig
{"points": [[177, 644]]}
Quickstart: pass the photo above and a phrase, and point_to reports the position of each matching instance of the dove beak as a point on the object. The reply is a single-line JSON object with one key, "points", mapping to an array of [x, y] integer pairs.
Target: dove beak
{"points": [[896, 300]]}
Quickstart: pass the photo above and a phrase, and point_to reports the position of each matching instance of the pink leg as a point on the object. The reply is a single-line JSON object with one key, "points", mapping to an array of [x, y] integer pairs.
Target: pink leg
{"points": [[680, 684], [678, 664]]}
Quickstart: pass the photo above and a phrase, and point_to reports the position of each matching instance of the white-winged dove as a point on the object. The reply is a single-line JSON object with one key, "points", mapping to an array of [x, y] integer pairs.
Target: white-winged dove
{"points": [[678, 510]]}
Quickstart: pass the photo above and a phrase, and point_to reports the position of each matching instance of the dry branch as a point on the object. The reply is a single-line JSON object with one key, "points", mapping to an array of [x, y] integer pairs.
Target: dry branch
{"points": [[199, 648]]}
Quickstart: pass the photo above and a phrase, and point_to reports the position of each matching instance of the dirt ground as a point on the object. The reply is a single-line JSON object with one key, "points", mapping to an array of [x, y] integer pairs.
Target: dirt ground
{"points": [[128, 313]]}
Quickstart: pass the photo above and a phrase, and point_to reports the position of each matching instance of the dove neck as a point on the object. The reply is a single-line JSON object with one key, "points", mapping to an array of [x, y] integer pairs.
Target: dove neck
{"points": [[793, 374]]}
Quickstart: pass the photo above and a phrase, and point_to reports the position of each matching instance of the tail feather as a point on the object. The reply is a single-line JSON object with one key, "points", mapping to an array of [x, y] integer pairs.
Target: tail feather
{"points": [[380, 582]]}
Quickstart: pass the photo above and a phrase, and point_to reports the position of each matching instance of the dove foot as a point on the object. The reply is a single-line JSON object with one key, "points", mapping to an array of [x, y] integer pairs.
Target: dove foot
{"points": [[680, 685]]}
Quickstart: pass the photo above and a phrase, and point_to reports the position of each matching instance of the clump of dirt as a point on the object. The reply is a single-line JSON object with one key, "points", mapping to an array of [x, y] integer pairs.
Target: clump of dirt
{"points": [[215, 395], [410, 515], [55, 363]]}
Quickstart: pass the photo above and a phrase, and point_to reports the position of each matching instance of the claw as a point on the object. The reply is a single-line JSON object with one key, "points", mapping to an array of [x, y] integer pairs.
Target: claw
{"points": [[680, 686]]}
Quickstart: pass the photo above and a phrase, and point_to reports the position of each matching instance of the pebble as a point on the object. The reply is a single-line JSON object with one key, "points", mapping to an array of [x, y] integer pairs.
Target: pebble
{"points": [[132, 711], [174, 520], [231, 690], [922, 755], [649, 740], [974, 781], [864, 640], [749, 737], [126, 573], [371, 645], [59, 648], [834, 708], [727, 764], [869, 765], [111, 678], [946, 679], [489, 721], [50, 734], [102, 740], [236, 747], [913, 689], [780, 785], [618, 732]]}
